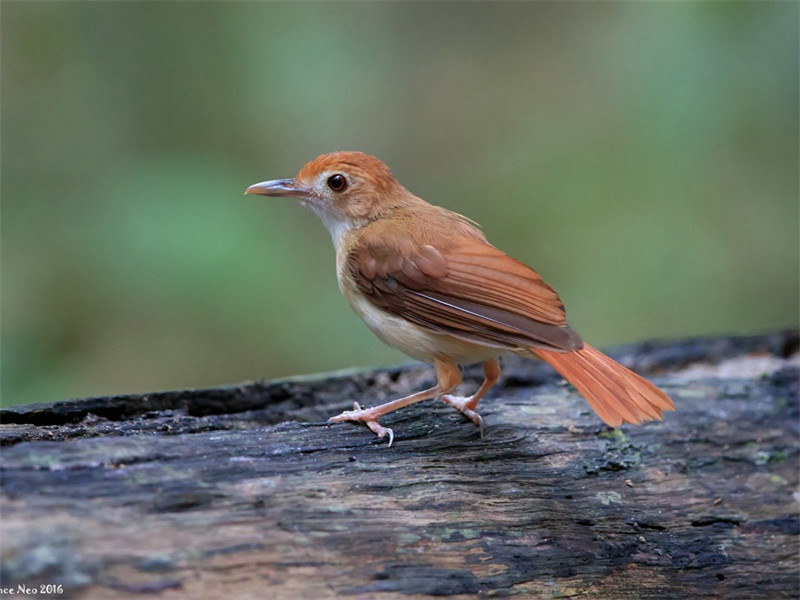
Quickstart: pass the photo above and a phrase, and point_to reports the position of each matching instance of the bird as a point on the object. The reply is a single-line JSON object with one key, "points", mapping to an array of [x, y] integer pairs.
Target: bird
{"points": [[427, 282]]}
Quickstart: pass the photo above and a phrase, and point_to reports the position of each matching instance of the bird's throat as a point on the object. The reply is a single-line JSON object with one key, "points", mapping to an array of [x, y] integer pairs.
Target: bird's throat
{"points": [[337, 224]]}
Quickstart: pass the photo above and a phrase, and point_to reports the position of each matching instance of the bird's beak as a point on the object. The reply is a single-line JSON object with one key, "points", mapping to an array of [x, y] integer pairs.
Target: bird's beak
{"points": [[278, 187]]}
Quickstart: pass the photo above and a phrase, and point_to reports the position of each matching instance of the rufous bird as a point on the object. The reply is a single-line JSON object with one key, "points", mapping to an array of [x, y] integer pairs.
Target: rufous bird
{"points": [[426, 281]]}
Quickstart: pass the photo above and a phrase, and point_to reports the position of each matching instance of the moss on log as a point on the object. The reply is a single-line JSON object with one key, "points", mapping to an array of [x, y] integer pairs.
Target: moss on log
{"points": [[246, 492]]}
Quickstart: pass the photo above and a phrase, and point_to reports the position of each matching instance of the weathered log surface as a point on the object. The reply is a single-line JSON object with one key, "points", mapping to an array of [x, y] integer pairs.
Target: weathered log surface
{"points": [[245, 492]]}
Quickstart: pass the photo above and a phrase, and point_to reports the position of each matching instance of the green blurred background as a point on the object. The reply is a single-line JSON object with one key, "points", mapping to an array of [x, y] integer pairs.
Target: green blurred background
{"points": [[642, 157]]}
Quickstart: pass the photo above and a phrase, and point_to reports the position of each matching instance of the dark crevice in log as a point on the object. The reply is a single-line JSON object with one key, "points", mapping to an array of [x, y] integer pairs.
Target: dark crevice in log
{"points": [[288, 397]]}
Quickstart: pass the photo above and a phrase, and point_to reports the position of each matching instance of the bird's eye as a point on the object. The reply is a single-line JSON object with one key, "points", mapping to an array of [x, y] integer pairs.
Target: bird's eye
{"points": [[337, 182]]}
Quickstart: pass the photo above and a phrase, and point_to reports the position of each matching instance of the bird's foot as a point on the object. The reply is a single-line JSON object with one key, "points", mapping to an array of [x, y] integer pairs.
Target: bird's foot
{"points": [[466, 406], [369, 417]]}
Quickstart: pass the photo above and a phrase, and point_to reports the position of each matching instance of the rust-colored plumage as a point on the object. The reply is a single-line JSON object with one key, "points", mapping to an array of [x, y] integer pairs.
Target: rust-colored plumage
{"points": [[427, 282], [471, 291]]}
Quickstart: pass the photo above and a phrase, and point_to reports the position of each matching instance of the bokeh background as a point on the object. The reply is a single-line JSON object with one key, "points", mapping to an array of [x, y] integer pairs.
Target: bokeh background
{"points": [[643, 157]]}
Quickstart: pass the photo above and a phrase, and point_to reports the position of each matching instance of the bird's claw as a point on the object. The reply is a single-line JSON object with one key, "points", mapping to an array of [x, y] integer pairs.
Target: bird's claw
{"points": [[368, 417], [464, 405]]}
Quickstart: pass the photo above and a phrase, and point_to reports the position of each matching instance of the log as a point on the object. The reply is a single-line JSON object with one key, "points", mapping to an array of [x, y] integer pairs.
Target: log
{"points": [[246, 492]]}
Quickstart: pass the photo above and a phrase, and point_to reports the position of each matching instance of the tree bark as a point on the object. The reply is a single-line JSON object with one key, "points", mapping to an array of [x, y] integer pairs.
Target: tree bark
{"points": [[246, 492]]}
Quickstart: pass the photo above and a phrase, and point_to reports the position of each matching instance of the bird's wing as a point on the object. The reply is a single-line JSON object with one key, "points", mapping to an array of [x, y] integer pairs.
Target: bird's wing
{"points": [[470, 290]]}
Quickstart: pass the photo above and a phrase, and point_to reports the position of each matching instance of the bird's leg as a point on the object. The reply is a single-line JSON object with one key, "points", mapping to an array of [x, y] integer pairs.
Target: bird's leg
{"points": [[491, 373], [448, 377]]}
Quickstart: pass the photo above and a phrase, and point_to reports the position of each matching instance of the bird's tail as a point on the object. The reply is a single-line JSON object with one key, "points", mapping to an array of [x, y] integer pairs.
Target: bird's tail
{"points": [[617, 394]]}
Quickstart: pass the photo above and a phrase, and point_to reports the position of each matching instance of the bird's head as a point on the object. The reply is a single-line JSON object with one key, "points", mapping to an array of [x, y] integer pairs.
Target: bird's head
{"points": [[346, 189]]}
